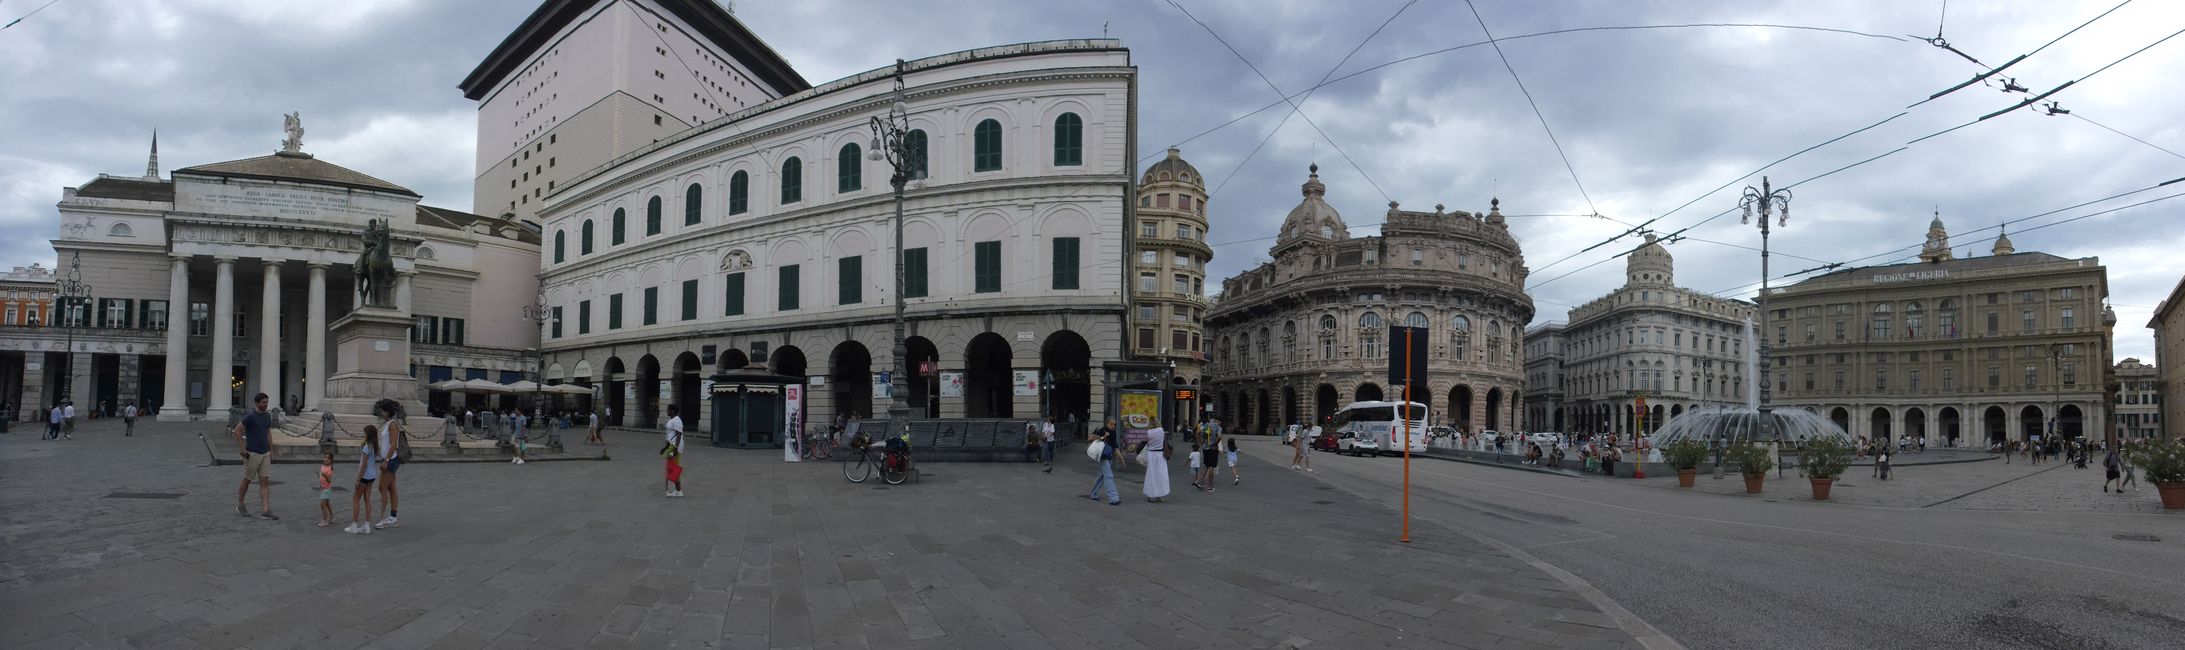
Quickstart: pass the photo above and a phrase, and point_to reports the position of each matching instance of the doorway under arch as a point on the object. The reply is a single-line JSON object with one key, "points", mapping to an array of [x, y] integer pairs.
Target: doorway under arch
{"points": [[1915, 423], [1995, 423], [1877, 423], [648, 392], [1266, 413], [1460, 407], [987, 366], [1368, 393], [1067, 359], [922, 380], [2070, 422], [612, 396], [1494, 409], [1947, 425], [1289, 405], [731, 359], [1324, 403], [687, 399], [2030, 423], [788, 361], [849, 380]]}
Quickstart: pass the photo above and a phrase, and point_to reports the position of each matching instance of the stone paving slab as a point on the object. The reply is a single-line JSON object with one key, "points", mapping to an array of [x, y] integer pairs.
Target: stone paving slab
{"points": [[760, 554]]}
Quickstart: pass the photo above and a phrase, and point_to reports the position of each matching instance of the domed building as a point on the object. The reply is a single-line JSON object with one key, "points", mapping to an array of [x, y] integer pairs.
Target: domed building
{"points": [[1301, 336], [1648, 343], [1168, 309]]}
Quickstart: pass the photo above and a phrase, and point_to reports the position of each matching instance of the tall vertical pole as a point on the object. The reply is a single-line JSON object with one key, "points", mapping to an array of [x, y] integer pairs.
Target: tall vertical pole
{"points": [[1404, 411], [899, 155]]}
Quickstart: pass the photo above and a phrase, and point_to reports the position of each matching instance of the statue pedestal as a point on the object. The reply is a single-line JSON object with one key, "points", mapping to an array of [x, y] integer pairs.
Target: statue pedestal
{"points": [[372, 351]]}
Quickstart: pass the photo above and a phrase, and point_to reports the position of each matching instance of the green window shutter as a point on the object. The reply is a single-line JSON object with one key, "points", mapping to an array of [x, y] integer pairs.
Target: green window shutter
{"points": [[614, 312], [584, 317], [652, 305], [787, 301], [792, 180], [1065, 275], [986, 147], [914, 273], [690, 300], [986, 273], [557, 322], [733, 297], [652, 216], [850, 169], [584, 240], [850, 280], [615, 231], [561, 246], [739, 193], [914, 149], [693, 198], [1069, 140]]}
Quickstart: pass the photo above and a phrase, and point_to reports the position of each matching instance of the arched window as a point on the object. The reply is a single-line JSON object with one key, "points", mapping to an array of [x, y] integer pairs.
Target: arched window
{"points": [[1494, 341], [561, 246], [693, 197], [986, 146], [120, 229], [1946, 319], [1416, 319], [1327, 231], [615, 231], [1265, 342], [1460, 334], [792, 180], [914, 153], [1914, 318], [849, 169], [584, 238], [1069, 140], [1289, 341], [1371, 321], [1879, 329], [652, 216], [739, 193], [1369, 335]]}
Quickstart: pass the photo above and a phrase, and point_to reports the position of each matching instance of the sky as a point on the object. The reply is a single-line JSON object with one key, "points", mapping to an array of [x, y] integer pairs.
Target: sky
{"points": [[1665, 123]]}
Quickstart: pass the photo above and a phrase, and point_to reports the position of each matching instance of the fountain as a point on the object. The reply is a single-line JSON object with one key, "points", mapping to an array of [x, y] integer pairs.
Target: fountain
{"points": [[1713, 424]]}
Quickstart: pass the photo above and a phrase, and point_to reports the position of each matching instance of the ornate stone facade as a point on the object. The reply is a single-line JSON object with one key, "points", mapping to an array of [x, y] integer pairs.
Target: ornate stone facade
{"points": [[1674, 347], [1299, 337], [2138, 400], [1168, 308]]}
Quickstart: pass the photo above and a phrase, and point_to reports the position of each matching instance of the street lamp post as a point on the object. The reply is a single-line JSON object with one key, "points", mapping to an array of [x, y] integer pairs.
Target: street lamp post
{"points": [[72, 292], [543, 314], [890, 135], [1772, 203]]}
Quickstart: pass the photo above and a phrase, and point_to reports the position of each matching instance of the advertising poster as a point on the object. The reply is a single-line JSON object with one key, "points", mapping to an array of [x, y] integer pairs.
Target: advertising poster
{"points": [[792, 400], [952, 384], [1026, 383], [881, 387], [1139, 411]]}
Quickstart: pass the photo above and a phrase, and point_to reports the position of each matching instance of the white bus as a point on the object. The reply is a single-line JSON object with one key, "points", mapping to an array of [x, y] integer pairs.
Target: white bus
{"points": [[1374, 426]]}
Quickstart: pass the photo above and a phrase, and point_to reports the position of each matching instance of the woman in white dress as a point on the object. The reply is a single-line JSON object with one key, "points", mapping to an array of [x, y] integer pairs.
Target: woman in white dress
{"points": [[1156, 464]]}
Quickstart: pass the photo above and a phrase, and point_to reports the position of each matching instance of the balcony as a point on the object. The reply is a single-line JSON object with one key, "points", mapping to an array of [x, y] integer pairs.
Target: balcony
{"points": [[1170, 240]]}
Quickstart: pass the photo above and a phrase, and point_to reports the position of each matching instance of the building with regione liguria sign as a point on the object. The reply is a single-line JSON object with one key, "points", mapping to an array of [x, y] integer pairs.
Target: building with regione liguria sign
{"points": [[220, 282], [1971, 350]]}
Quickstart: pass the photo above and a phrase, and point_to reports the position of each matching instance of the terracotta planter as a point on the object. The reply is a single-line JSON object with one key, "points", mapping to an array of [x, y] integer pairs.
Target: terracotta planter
{"points": [[1821, 487], [2173, 495], [1684, 477], [1753, 481]]}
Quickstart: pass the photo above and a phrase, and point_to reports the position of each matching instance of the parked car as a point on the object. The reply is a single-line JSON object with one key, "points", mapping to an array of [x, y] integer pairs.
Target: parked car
{"points": [[1441, 434], [1357, 445], [1326, 441], [1546, 438]]}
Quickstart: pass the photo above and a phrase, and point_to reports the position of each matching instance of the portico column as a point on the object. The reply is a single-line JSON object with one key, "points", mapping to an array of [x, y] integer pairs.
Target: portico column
{"points": [[314, 340], [402, 290], [174, 405], [269, 334], [219, 396]]}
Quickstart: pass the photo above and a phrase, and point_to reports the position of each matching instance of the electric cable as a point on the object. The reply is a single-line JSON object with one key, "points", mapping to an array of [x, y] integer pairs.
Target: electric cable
{"points": [[1543, 117], [1307, 95]]}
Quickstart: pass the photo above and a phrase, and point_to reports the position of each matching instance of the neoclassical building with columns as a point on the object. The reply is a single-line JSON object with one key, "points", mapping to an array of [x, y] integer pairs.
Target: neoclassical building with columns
{"points": [[767, 236], [1301, 336], [220, 282]]}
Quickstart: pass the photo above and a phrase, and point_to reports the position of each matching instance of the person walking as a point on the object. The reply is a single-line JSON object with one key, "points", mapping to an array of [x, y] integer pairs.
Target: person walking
{"points": [[53, 423], [389, 442], [1297, 450], [2113, 471], [1106, 477], [254, 436], [2131, 476], [674, 450], [1047, 444], [592, 426], [1209, 461], [1155, 457], [68, 420], [1230, 445], [129, 420]]}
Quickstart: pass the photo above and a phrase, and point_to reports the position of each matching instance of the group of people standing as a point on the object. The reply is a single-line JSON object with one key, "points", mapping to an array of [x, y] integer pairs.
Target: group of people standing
{"points": [[1207, 453], [379, 457]]}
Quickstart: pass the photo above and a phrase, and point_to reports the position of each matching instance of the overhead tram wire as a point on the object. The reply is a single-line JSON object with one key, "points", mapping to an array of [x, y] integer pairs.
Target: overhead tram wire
{"points": [[33, 12], [1543, 117], [1308, 95], [1286, 98], [1992, 71], [2105, 127], [2030, 100]]}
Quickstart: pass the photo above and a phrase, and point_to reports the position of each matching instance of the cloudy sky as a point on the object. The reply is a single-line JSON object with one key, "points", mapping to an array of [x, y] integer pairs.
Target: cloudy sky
{"points": [[1650, 119]]}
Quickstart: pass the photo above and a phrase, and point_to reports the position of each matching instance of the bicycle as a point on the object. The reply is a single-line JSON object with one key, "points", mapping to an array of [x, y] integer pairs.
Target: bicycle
{"points": [[819, 445], [858, 464], [893, 462]]}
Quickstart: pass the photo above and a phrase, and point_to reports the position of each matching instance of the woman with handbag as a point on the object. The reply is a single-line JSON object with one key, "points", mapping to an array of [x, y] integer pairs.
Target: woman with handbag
{"points": [[1155, 457]]}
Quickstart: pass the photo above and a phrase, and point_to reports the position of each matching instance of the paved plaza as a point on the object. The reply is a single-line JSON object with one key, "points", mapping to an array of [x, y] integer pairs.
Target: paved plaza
{"points": [[108, 541]]}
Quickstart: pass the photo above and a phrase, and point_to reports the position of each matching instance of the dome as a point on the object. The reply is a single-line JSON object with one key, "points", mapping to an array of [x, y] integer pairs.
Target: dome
{"points": [[1650, 265], [1177, 169], [1313, 217]]}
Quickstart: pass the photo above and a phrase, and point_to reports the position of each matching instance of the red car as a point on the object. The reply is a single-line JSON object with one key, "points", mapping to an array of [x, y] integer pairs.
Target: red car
{"points": [[1325, 442]]}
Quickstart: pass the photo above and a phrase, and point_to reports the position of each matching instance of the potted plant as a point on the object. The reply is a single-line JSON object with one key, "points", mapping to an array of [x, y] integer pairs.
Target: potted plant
{"points": [[2163, 463], [1753, 461], [1822, 460], [1685, 456]]}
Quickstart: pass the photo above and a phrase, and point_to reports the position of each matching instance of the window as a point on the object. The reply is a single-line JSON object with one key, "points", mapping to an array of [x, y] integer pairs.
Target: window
{"points": [[1993, 321], [1147, 312], [2033, 376], [1839, 380], [1418, 257], [117, 313], [690, 300], [2071, 373], [584, 317], [849, 169], [1149, 258], [451, 331], [739, 193], [792, 180], [986, 146], [556, 317], [427, 330], [2067, 293], [1149, 229], [732, 295], [1370, 326], [914, 273], [1145, 338], [1178, 339], [614, 232], [786, 300], [584, 238], [1995, 377], [1911, 379], [242, 320], [2029, 295], [1809, 332], [652, 216], [1881, 379], [986, 268], [614, 312], [1949, 378], [561, 246], [1183, 202], [1069, 140], [155, 315], [1880, 328], [1183, 284], [2028, 320], [1145, 281], [1914, 314], [1184, 231], [914, 149], [849, 280], [651, 313], [2066, 318], [1066, 265], [693, 198]]}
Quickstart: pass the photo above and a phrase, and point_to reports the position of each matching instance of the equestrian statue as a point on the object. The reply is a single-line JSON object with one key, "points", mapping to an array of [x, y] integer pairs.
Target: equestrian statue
{"points": [[375, 267]]}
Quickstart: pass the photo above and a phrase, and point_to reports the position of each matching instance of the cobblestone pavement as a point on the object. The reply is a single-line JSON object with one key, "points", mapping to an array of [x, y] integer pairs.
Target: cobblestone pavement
{"points": [[2051, 486], [760, 554]]}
